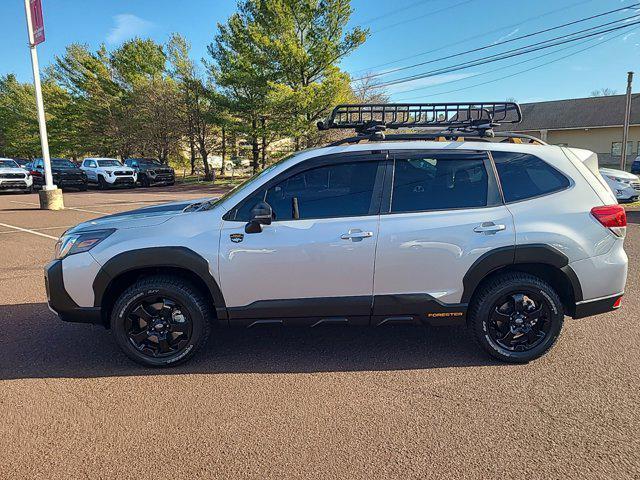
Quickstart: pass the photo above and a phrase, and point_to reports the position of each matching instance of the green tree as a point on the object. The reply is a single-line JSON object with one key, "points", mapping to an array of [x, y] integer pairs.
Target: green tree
{"points": [[18, 121]]}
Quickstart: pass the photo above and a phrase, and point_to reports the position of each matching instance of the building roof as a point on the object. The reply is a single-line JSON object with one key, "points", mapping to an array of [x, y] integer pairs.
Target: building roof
{"points": [[576, 113]]}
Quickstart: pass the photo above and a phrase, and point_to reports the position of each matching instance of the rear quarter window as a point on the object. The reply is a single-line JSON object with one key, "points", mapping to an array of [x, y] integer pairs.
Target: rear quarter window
{"points": [[524, 176]]}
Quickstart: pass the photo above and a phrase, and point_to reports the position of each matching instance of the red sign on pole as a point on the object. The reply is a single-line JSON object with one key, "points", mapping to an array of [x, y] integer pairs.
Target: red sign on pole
{"points": [[37, 22]]}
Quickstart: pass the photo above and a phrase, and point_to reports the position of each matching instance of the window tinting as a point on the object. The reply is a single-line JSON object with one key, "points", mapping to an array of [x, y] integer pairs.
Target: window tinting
{"points": [[524, 176], [424, 183], [340, 190]]}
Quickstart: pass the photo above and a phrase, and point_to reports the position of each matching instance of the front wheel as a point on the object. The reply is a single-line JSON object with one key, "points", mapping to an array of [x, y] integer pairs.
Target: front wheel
{"points": [[516, 317], [161, 321], [102, 184]]}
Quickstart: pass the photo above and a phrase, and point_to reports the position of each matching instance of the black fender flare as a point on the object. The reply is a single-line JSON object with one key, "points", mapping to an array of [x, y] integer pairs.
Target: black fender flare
{"points": [[497, 258], [177, 257]]}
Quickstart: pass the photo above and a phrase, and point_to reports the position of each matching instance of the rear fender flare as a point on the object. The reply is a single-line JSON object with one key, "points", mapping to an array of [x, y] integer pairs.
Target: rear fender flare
{"points": [[502, 257]]}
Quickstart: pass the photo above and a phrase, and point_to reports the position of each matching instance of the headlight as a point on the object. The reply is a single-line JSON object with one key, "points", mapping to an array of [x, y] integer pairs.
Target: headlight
{"points": [[151, 172], [616, 179], [108, 173], [71, 243]]}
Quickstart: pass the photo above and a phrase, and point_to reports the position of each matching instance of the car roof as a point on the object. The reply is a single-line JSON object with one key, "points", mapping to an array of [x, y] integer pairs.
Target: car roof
{"points": [[445, 146]]}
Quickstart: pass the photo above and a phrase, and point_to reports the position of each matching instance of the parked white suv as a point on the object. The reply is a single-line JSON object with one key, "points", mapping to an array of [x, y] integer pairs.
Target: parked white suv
{"points": [[624, 185], [507, 238], [14, 177], [108, 172]]}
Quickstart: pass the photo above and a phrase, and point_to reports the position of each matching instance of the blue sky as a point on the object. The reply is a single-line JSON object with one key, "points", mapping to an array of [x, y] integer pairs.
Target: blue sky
{"points": [[401, 31]]}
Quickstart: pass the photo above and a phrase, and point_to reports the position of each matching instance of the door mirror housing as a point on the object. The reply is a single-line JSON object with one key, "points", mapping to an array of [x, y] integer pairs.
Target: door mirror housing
{"points": [[261, 214]]}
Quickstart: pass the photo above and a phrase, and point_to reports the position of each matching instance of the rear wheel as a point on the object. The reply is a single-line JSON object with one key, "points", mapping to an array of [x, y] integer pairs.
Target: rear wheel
{"points": [[161, 321], [516, 317]]}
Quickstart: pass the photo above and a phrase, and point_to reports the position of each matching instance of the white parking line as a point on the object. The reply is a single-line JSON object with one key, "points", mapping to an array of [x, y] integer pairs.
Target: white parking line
{"points": [[39, 229], [66, 208], [26, 230]]}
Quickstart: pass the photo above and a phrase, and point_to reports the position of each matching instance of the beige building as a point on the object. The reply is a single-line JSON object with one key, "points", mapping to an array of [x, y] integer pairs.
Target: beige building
{"points": [[594, 123]]}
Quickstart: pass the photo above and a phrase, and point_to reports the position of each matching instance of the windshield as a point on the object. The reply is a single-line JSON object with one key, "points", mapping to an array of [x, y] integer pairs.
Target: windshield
{"points": [[241, 187], [109, 163], [62, 163], [8, 164], [148, 161]]}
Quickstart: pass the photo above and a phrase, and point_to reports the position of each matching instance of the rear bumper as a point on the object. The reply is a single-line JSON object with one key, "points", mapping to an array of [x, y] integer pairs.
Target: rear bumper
{"points": [[597, 306], [61, 303]]}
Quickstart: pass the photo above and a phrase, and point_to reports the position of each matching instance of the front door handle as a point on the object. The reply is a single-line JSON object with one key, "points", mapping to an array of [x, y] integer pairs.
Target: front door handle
{"points": [[356, 235], [489, 228]]}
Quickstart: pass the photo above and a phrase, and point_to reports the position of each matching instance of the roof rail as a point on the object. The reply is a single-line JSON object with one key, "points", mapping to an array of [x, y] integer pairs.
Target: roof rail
{"points": [[477, 117], [445, 136]]}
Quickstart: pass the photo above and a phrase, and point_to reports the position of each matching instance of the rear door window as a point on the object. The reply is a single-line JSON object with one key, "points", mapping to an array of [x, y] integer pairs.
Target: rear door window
{"points": [[525, 176], [432, 182]]}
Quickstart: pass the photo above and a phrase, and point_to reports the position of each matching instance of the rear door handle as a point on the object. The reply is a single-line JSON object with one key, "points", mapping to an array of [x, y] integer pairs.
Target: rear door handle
{"points": [[356, 235], [489, 228]]}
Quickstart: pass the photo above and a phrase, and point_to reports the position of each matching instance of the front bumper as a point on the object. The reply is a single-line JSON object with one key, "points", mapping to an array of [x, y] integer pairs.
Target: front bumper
{"points": [[61, 303], [121, 181], [163, 178], [16, 184], [70, 182], [626, 193]]}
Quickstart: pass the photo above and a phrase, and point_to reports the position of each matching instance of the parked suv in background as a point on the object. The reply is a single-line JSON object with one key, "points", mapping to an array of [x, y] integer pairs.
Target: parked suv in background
{"points": [[505, 237], [14, 177], [625, 186], [65, 174], [635, 166], [108, 172], [151, 171]]}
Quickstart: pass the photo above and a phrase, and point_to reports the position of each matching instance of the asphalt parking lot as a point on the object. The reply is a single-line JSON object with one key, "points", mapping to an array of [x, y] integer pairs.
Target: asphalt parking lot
{"points": [[268, 403]]}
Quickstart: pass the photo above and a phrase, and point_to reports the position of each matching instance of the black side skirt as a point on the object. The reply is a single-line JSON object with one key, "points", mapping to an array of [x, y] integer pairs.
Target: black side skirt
{"points": [[415, 308]]}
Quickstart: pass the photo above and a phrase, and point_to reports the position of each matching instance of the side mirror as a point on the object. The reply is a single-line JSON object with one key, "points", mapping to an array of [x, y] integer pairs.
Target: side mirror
{"points": [[261, 214]]}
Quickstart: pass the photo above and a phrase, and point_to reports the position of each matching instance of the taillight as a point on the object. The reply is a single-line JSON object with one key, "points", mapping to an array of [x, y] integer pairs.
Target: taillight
{"points": [[35, 173], [613, 217]]}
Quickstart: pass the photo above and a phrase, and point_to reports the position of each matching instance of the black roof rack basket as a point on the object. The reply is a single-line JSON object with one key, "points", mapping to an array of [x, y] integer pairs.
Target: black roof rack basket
{"points": [[368, 119]]}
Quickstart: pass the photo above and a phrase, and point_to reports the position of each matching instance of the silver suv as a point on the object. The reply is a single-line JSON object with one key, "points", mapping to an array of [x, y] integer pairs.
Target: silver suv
{"points": [[505, 237]]}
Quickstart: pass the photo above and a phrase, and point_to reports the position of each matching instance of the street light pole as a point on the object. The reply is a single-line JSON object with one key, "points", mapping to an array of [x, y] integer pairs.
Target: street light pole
{"points": [[625, 128], [50, 197]]}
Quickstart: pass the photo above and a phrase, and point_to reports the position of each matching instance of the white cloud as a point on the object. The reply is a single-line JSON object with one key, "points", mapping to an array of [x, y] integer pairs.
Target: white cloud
{"points": [[427, 82], [627, 36], [127, 26], [504, 37]]}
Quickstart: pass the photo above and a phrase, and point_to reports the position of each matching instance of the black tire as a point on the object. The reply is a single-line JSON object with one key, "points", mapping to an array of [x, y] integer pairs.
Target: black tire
{"points": [[505, 338], [102, 184], [192, 305], [29, 190], [144, 181]]}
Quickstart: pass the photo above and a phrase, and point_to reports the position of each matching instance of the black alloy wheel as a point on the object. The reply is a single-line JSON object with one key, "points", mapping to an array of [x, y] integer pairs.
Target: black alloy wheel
{"points": [[161, 320], [519, 321], [516, 317], [158, 326]]}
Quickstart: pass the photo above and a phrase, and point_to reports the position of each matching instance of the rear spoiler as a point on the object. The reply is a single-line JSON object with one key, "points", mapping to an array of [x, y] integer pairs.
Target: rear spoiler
{"points": [[587, 164]]}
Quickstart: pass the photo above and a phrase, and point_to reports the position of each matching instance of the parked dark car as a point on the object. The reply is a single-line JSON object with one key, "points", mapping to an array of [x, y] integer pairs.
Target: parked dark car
{"points": [[635, 166], [22, 162], [151, 171], [66, 174]]}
